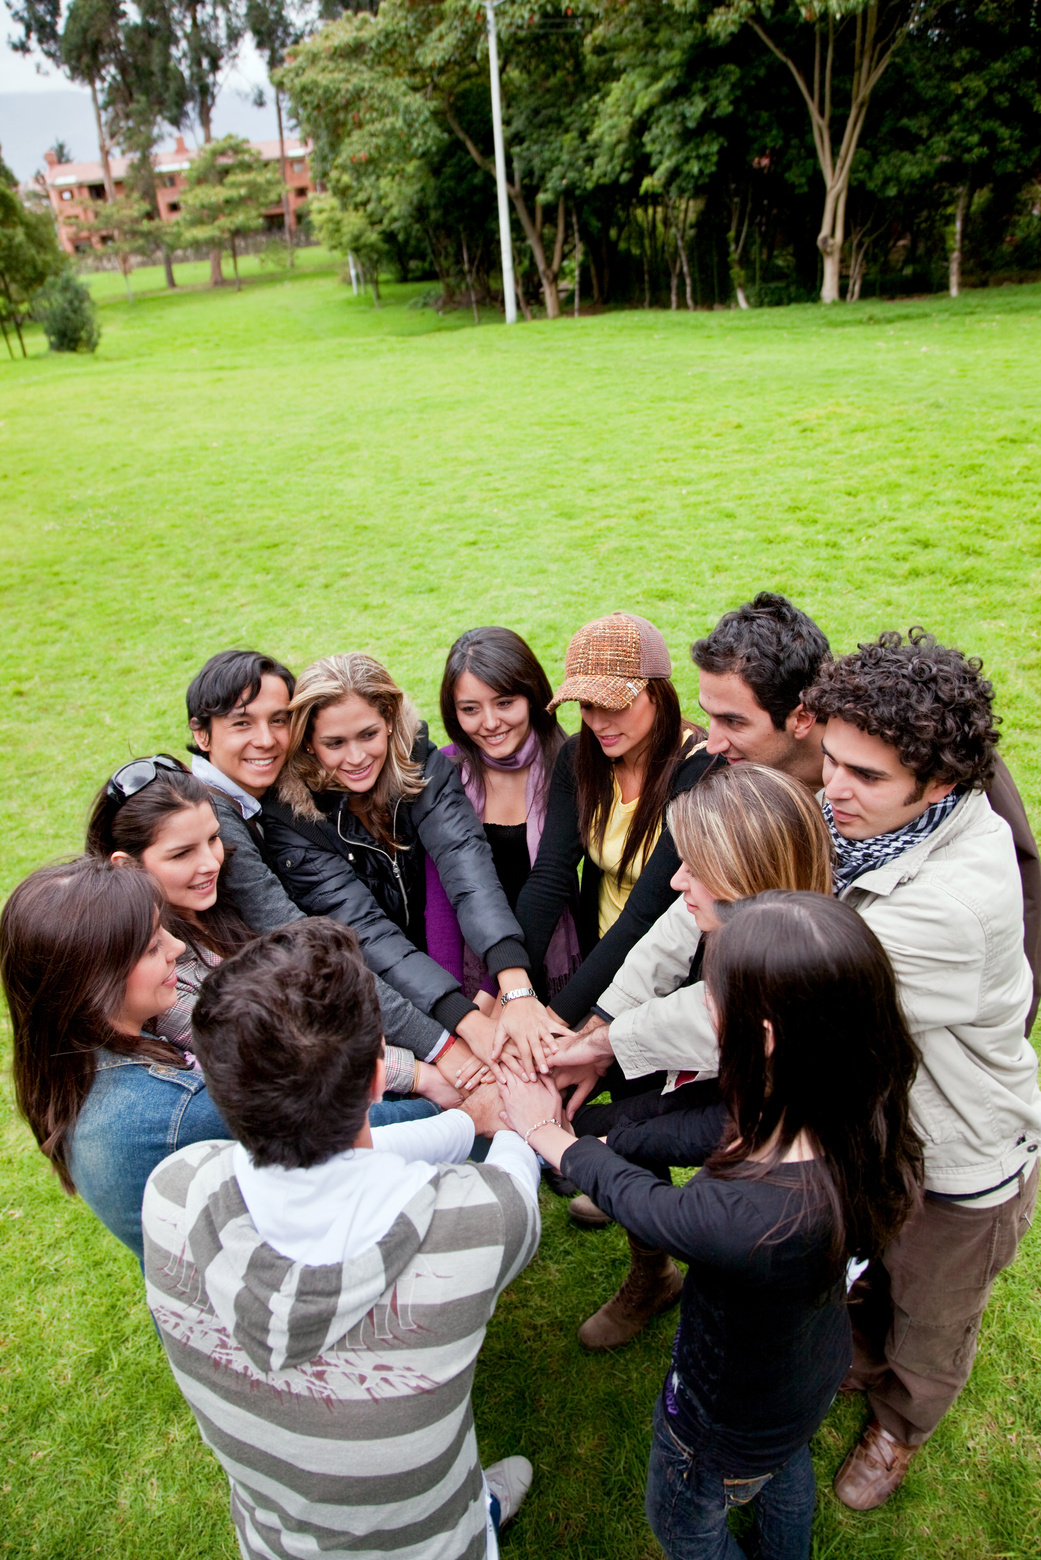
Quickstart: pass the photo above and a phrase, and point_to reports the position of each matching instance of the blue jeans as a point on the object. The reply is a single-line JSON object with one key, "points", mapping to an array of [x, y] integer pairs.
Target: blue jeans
{"points": [[399, 1107], [688, 1500]]}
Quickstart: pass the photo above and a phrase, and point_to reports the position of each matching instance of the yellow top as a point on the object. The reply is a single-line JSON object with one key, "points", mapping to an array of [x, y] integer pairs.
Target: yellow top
{"points": [[614, 892]]}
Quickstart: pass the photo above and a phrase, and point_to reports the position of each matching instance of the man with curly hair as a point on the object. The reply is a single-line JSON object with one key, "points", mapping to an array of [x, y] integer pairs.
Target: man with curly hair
{"points": [[752, 669], [908, 741]]}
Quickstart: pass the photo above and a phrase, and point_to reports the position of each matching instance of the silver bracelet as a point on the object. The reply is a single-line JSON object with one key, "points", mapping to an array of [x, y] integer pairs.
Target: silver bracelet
{"points": [[549, 1122], [511, 996]]}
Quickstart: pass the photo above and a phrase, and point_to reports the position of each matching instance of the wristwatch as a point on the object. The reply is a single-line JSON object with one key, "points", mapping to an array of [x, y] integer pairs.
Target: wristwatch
{"points": [[511, 996]]}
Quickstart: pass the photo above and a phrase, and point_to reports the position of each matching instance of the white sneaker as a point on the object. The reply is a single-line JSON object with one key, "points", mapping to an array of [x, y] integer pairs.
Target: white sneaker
{"points": [[509, 1481]]}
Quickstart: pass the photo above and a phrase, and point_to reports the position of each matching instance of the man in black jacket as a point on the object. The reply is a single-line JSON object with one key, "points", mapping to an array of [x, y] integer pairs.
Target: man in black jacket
{"points": [[238, 711]]}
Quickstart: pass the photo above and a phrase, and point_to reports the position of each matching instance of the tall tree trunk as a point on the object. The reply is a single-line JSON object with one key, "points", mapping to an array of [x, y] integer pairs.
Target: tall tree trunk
{"points": [[14, 317], [168, 268], [206, 120], [594, 277], [532, 226], [681, 242], [469, 277], [7, 339], [235, 262], [873, 48], [735, 250], [578, 259], [961, 211], [519, 288], [106, 167], [287, 210]]}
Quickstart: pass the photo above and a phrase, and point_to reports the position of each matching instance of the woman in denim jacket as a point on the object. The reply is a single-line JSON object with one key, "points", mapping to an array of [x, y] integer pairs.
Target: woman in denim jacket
{"points": [[86, 965]]}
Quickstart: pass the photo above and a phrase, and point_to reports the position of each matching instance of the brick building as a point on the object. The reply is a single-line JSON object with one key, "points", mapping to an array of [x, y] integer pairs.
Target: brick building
{"points": [[75, 188]]}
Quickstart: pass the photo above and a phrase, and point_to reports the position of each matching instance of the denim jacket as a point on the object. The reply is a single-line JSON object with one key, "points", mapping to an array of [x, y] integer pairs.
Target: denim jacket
{"points": [[137, 1112]]}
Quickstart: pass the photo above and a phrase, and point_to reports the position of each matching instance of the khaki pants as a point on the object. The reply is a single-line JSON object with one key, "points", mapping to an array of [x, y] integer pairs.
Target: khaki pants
{"points": [[916, 1312]]}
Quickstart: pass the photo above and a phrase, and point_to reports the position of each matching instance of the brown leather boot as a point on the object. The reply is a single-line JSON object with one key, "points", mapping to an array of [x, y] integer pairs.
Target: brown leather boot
{"points": [[873, 1470], [652, 1284], [585, 1212]]}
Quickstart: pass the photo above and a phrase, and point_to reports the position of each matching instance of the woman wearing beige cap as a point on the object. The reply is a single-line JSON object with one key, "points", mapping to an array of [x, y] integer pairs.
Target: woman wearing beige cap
{"points": [[610, 787]]}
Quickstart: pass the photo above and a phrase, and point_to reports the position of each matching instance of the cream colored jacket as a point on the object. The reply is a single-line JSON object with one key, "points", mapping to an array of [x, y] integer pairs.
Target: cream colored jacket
{"points": [[949, 913]]}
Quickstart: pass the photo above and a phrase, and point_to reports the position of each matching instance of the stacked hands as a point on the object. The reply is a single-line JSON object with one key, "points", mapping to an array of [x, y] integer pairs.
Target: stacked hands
{"points": [[515, 1072], [526, 1044]]}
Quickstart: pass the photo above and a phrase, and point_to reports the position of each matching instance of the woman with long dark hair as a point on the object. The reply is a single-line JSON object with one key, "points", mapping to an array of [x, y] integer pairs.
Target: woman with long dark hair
{"points": [[87, 967], [504, 742], [156, 814], [809, 1161], [364, 797], [606, 805], [743, 831]]}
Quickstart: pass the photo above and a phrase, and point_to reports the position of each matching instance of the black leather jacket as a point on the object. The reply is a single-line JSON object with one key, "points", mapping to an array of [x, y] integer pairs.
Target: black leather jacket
{"points": [[336, 868]]}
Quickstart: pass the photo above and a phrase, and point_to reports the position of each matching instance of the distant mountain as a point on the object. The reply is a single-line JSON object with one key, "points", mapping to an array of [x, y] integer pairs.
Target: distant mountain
{"points": [[30, 122]]}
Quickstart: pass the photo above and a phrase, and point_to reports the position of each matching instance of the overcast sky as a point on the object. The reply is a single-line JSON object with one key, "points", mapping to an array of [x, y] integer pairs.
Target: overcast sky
{"points": [[27, 130]]}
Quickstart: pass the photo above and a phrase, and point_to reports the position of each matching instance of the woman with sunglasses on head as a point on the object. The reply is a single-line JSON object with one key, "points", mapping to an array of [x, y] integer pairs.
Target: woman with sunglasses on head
{"points": [[87, 969], [365, 796], [606, 806], [504, 742], [809, 1161], [155, 813]]}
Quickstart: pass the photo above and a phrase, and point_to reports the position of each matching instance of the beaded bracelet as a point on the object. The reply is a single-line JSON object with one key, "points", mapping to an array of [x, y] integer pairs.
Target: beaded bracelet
{"points": [[549, 1122]]}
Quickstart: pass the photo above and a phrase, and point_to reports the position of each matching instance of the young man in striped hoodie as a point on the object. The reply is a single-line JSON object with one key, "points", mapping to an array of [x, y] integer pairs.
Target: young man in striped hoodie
{"points": [[322, 1290]]}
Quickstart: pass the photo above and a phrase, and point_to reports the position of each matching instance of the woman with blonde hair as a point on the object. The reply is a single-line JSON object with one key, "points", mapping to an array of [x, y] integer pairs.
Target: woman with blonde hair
{"points": [[363, 798], [652, 1043]]}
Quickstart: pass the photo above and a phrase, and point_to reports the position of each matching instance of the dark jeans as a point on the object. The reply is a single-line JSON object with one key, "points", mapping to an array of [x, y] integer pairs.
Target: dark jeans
{"points": [[916, 1312], [688, 1501]]}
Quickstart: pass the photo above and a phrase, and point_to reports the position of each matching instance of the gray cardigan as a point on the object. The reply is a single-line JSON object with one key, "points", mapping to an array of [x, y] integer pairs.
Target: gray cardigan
{"points": [[263, 904]]}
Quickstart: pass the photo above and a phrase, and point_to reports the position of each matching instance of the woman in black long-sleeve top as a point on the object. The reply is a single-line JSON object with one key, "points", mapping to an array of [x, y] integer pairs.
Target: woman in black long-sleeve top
{"points": [[810, 1161], [607, 798]]}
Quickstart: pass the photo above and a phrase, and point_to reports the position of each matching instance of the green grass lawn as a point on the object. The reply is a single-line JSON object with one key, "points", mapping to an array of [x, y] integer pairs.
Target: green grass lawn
{"points": [[288, 468]]}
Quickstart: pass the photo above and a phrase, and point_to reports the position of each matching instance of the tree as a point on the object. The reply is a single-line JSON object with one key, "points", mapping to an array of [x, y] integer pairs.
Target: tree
{"points": [[125, 228], [275, 31], [836, 52], [29, 256], [349, 233], [228, 187], [80, 59], [62, 152], [208, 35], [376, 92], [66, 311]]}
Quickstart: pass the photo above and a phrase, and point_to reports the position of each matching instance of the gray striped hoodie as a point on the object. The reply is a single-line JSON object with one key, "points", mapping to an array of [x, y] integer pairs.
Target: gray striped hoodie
{"points": [[337, 1398]]}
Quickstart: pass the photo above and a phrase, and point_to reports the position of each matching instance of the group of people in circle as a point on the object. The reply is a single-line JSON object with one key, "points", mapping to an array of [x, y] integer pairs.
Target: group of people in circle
{"points": [[311, 1016]]}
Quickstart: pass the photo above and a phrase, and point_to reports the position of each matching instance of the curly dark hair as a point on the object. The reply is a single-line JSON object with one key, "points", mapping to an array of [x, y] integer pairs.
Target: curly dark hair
{"points": [[772, 646], [925, 699]]}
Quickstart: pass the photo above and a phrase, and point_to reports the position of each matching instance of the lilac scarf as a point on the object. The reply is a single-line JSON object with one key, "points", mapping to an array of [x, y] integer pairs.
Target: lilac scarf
{"points": [[444, 938]]}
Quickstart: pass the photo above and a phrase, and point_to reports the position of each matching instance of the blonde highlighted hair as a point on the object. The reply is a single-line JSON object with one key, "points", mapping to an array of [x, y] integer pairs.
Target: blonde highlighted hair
{"points": [[327, 682], [746, 829]]}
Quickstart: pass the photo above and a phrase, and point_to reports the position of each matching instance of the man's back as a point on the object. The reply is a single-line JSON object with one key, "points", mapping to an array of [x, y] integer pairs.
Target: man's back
{"points": [[337, 1397]]}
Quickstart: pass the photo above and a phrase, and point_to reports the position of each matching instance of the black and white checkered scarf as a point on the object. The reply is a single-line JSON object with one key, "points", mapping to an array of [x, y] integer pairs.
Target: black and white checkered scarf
{"points": [[855, 857]]}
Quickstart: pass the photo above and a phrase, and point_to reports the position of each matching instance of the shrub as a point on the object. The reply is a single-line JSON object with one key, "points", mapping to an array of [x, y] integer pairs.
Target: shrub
{"points": [[66, 311]]}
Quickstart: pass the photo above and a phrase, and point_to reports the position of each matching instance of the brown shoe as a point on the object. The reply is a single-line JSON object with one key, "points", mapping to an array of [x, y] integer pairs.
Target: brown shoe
{"points": [[652, 1284], [585, 1212], [873, 1470]]}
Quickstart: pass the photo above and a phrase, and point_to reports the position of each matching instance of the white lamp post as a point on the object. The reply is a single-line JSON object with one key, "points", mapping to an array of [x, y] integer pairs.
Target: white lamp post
{"points": [[509, 294]]}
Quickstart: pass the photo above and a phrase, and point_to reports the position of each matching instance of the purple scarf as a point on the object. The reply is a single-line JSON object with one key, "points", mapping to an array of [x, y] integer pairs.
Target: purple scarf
{"points": [[444, 938], [528, 756]]}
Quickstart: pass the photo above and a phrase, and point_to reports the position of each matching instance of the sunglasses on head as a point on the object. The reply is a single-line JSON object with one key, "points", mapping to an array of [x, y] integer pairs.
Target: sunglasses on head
{"points": [[133, 777]]}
